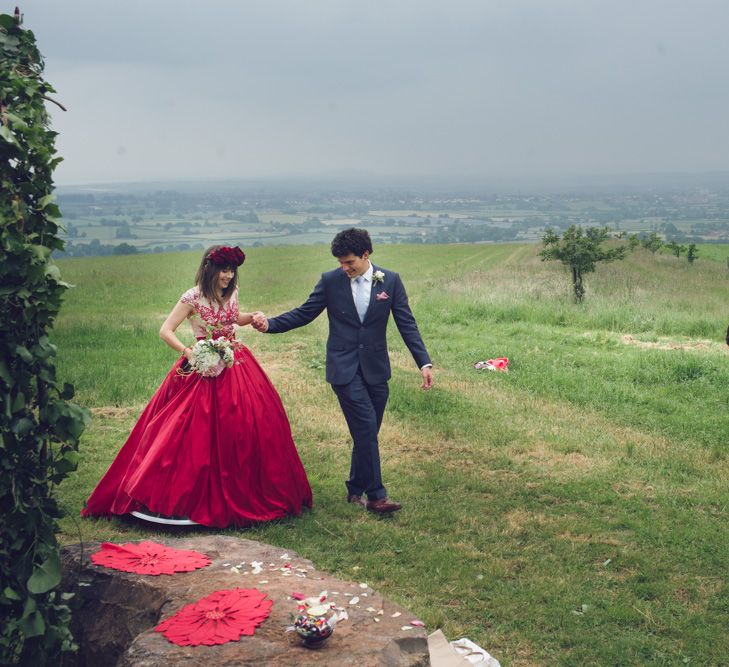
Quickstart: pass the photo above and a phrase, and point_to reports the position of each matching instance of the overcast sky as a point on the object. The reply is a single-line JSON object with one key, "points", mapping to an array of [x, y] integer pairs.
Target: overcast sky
{"points": [[508, 90]]}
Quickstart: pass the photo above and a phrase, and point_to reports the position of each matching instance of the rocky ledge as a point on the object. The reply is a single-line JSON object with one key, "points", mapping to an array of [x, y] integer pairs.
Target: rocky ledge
{"points": [[116, 612]]}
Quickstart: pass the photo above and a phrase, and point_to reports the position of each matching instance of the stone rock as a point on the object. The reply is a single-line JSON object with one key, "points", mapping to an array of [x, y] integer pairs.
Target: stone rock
{"points": [[116, 612]]}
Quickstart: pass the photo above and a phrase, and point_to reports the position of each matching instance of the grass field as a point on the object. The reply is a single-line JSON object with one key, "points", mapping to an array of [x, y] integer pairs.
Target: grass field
{"points": [[570, 512]]}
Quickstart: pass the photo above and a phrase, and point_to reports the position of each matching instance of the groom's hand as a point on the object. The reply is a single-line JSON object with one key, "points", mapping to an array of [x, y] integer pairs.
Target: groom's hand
{"points": [[260, 322], [427, 373]]}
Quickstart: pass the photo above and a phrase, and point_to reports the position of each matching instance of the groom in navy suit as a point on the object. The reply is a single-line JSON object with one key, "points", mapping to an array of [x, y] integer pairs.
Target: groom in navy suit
{"points": [[359, 298]]}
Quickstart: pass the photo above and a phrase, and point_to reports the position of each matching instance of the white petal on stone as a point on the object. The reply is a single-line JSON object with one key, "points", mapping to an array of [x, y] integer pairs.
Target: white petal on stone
{"points": [[354, 600], [335, 592], [364, 595], [377, 620], [226, 564], [381, 612], [406, 627], [339, 608], [343, 615], [396, 614], [235, 570], [285, 557], [348, 594], [319, 610], [372, 609], [263, 581], [363, 586]]}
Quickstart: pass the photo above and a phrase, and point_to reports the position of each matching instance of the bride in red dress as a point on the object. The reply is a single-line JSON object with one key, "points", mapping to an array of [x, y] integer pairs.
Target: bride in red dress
{"points": [[216, 451]]}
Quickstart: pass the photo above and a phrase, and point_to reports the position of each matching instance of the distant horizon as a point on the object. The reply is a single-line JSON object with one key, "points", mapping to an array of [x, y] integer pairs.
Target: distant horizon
{"points": [[425, 183]]}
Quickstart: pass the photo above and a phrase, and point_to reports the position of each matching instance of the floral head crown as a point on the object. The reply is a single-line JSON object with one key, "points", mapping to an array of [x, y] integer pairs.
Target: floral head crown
{"points": [[227, 256]]}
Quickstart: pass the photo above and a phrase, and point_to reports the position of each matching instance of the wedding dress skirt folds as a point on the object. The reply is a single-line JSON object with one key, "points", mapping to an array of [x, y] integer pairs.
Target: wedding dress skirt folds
{"points": [[216, 450]]}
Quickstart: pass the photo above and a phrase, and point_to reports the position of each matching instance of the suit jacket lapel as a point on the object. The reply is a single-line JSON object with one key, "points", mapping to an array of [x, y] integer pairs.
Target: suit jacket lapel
{"points": [[347, 297]]}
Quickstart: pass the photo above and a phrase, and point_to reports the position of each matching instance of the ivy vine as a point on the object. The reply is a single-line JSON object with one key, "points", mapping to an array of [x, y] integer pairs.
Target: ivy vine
{"points": [[39, 427]]}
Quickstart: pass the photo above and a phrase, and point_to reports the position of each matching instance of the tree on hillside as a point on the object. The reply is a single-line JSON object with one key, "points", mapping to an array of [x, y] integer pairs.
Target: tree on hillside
{"points": [[675, 248], [580, 250], [39, 427], [692, 253], [652, 242]]}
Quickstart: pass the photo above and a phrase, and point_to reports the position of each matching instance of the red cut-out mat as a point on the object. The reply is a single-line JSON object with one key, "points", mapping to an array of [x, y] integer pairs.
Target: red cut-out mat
{"points": [[223, 616], [148, 558]]}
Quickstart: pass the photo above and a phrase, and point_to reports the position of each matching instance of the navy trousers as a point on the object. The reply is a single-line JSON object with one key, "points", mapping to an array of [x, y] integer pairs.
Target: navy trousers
{"points": [[363, 406]]}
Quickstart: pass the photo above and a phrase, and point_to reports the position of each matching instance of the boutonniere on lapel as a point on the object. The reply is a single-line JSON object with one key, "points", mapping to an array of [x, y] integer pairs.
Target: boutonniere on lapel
{"points": [[378, 277], [382, 296]]}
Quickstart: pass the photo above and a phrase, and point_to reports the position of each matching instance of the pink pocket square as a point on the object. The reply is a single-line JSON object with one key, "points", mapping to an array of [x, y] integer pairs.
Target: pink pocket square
{"points": [[382, 296]]}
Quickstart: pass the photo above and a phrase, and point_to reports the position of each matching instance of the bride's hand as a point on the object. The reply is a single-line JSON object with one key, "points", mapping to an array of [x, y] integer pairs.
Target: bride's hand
{"points": [[260, 322]]}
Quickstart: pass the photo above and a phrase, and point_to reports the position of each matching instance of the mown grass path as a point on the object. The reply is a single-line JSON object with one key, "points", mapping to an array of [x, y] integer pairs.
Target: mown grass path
{"points": [[572, 511]]}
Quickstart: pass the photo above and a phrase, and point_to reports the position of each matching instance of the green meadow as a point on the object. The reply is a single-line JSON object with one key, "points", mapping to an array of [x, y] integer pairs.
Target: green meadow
{"points": [[572, 511]]}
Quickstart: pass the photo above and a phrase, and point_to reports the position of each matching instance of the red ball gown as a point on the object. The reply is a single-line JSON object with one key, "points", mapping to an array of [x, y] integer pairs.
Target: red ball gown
{"points": [[216, 450]]}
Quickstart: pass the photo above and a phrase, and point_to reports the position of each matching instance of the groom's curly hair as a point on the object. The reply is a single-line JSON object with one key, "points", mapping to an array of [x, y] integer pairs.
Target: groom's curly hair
{"points": [[353, 240]]}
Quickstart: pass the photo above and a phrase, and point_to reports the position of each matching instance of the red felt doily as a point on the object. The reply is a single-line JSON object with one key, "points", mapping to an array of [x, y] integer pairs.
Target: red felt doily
{"points": [[148, 558], [222, 616]]}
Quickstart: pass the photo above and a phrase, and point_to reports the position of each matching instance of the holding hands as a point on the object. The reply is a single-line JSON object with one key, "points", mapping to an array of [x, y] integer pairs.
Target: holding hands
{"points": [[260, 322]]}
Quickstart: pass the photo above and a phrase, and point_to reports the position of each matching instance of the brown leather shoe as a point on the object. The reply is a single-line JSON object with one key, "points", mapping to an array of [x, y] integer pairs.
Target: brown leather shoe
{"points": [[383, 506], [357, 500]]}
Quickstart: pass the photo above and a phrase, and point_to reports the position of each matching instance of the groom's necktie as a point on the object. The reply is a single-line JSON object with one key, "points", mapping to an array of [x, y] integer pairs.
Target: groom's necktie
{"points": [[359, 297]]}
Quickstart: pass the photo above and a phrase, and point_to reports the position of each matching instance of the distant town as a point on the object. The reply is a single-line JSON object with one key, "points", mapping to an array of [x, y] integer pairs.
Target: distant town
{"points": [[119, 220]]}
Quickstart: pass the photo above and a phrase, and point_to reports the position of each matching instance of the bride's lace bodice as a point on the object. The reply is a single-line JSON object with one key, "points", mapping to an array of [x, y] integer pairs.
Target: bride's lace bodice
{"points": [[222, 318]]}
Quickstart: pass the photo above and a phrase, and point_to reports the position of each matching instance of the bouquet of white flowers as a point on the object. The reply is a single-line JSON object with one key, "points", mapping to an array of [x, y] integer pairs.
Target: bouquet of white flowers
{"points": [[209, 357]]}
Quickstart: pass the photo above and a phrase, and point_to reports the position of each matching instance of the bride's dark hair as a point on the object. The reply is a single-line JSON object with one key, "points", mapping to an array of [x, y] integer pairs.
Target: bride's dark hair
{"points": [[207, 277]]}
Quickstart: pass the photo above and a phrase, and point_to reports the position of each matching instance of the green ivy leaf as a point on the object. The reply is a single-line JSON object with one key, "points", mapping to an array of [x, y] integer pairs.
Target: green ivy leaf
{"points": [[7, 135], [10, 594], [33, 625], [47, 575]]}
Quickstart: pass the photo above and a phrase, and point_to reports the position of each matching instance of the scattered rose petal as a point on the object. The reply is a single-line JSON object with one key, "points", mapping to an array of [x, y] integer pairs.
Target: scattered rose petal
{"points": [[417, 623], [363, 586], [354, 600], [226, 564], [377, 620], [396, 614], [372, 609], [406, 627], [318, 610], [285, 557], [381, 612], [235, 570], [263, 581]]}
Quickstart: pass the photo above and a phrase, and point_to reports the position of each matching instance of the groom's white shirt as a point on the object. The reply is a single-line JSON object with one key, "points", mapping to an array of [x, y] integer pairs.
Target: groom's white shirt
{"points": [[367, 275]]}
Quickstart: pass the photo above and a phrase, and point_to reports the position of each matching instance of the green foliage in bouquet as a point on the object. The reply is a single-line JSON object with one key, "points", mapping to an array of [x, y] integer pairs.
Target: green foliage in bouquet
{"points": [[39, 428]]}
